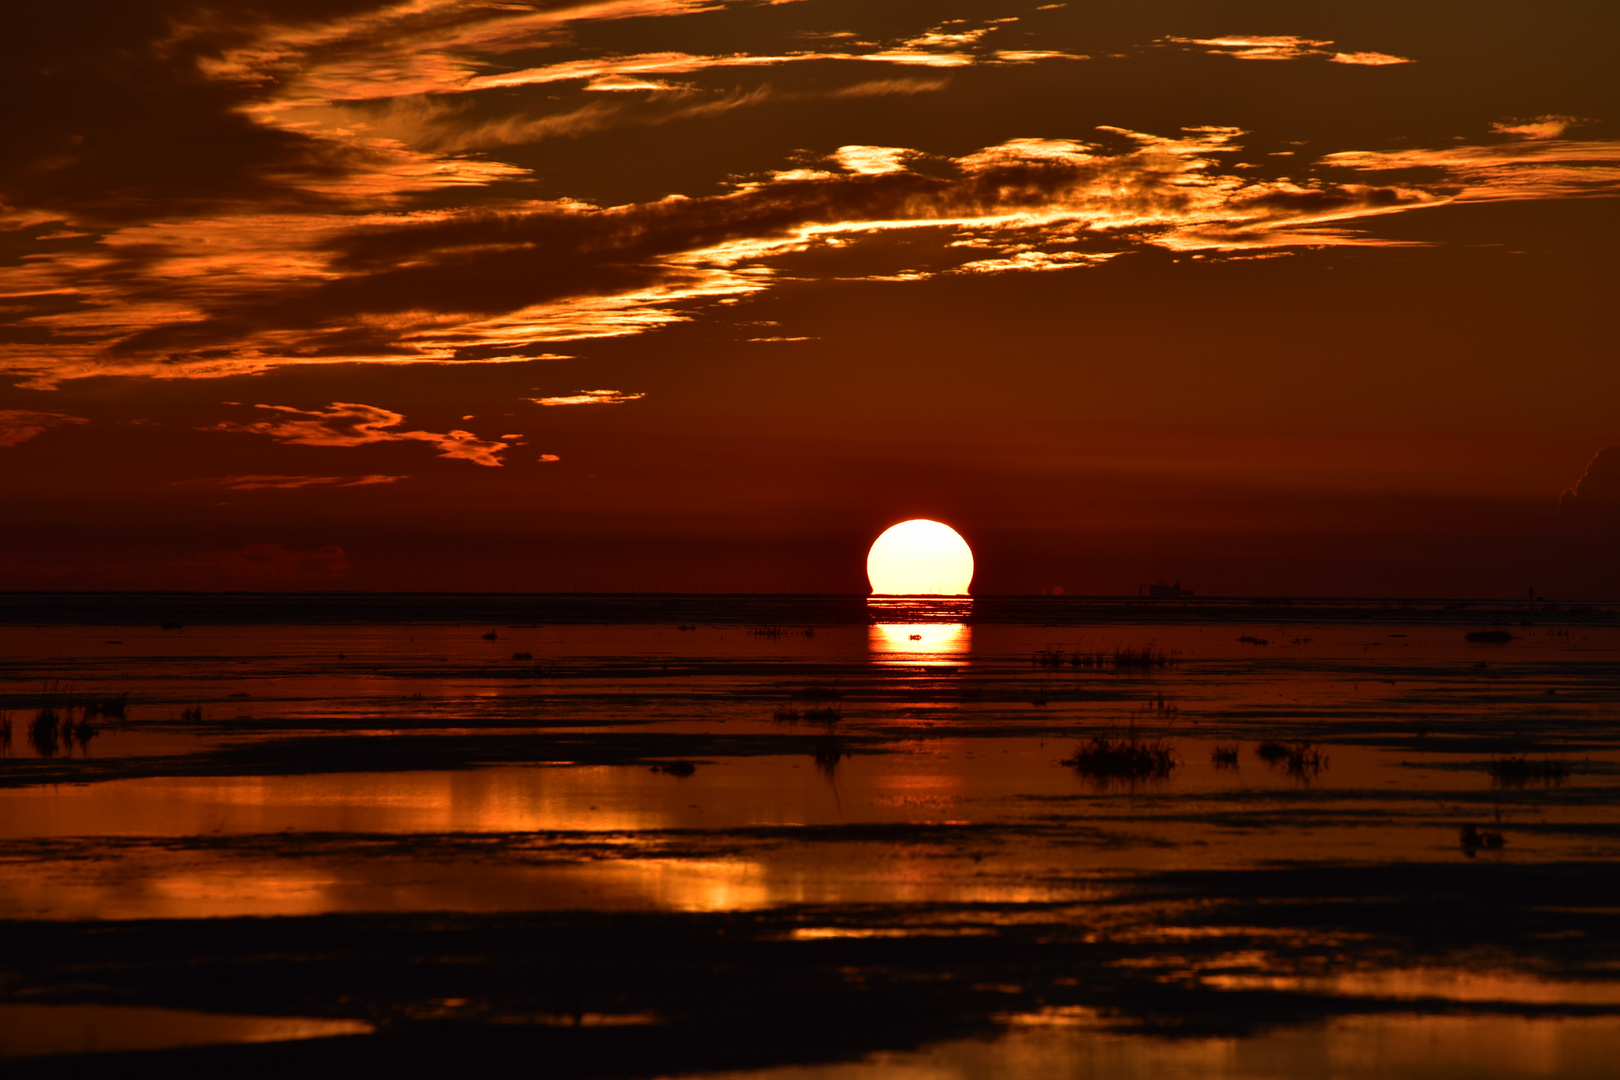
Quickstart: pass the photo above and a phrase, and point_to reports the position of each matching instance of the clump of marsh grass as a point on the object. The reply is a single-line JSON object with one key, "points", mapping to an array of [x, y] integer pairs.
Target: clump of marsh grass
{"points": [[1129, 758], [1250, 639], [1520, 771], [1301, 760], [5, 731], [1472, 839], [1120, 657], [1224, 757], [792, 714], [113, 708], [45, 732], [828, 753]]}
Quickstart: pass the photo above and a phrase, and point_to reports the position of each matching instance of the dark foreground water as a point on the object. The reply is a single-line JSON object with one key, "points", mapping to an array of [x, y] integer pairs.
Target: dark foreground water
{"points": [[796, 837]]}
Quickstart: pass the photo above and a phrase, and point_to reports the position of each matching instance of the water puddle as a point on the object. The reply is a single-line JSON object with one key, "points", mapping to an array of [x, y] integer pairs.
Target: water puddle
{"points": [[28, 1030]]}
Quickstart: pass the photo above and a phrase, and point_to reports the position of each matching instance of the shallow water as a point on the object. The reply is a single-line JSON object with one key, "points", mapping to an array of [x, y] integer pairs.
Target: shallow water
{"points": [[870, 788]]}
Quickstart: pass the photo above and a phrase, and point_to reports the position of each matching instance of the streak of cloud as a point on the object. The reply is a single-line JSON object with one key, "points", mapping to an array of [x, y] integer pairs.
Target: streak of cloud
{"points": [[286, 483], [350, 424], [1540, 127], [1539, 168], [504, 280], [17, 426], [590, 397], [1286, 47]]}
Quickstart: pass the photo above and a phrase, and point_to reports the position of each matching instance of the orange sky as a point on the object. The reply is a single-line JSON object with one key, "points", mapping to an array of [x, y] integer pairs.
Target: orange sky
{"points": [[701, 295]]}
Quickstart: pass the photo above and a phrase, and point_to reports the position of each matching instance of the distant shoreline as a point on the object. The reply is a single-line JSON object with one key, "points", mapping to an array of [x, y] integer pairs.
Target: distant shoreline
{"points": [[182, 609]]}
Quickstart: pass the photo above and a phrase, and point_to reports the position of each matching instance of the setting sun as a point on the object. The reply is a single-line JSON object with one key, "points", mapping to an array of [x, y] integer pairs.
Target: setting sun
{"points": [[920, 557]]}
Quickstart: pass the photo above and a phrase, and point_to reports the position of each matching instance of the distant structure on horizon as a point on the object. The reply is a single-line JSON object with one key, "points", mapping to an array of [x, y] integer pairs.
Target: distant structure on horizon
{"points": [[1161, 589]]}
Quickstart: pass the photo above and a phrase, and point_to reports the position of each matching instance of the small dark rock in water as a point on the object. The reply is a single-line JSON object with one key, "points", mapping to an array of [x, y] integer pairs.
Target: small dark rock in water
{"points": [[522, 656], [489, 636], [1489, 637], [676, 768], [684, 626]]}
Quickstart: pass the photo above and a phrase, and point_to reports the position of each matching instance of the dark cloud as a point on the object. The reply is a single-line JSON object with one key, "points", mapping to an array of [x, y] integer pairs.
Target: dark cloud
{"points": [[1595, 500]]}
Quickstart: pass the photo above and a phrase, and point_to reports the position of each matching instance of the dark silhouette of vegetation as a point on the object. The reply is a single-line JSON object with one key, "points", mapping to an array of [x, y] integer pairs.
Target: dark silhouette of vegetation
{"points": [[522, 656], [1473, 839], [791, 714], [1250, 639], [1129, 758], [1126, 657], [1224, 757], [113, 708], [676, 768], [685, 626], [1300, 760], [1521, 772], [191, 714], [491, 636], [45, 732], [829, 752], [1489, 637], [5, 731]]}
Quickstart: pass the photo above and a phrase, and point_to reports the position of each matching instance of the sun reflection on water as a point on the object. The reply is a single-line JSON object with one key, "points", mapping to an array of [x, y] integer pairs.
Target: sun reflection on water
{"points": [[920, 643]]}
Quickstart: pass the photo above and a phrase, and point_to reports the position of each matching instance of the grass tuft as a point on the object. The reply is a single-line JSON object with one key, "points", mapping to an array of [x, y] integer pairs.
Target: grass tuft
{"points": [[1300, 760], [1129, 758]]}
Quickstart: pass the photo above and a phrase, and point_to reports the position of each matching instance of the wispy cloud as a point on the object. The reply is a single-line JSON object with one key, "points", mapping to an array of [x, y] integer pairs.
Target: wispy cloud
{"points": [[350, 424], [590, 397], [1540, 127], [279, 483], [19, 425], [1528, 168], [1286, 47], [507, 279]]}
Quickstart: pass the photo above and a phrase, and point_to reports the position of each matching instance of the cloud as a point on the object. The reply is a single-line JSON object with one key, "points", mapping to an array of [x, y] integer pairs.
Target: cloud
{"points": [[1286, 47], [1537, 168], [1595, 500], [589, 397], [1540, 127], [19, 425], [350, 424], [503, 280], [1368, 59], [271, 482], [296, 184]]}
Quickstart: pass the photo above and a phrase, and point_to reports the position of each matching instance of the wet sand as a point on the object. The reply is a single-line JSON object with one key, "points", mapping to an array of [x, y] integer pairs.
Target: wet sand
{"points": [[637, 850]]}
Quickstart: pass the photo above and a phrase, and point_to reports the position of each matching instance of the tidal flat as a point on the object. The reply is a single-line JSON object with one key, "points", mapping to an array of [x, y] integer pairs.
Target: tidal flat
{"points": [[793, 837]]}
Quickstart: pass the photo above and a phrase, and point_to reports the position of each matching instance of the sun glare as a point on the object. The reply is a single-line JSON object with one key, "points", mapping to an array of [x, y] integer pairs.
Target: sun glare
{"points": [[920, 558]]}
